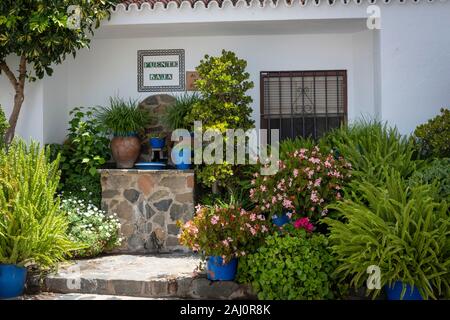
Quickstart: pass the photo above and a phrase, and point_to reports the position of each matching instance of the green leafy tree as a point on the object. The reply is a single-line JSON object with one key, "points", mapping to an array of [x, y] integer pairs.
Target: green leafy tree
{"points": [[223, 84], [42, 33]]}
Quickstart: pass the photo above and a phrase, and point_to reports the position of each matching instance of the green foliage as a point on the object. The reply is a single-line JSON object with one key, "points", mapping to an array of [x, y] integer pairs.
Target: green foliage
{"points": [[433, 137], [402, 230], [85, 150], [290, 267], [92, 227], [123, 118], [176, 113], [38, 30], [227, 231], [370, 147], [4, 125], [32, 226], [437, 171], [223, 83]]}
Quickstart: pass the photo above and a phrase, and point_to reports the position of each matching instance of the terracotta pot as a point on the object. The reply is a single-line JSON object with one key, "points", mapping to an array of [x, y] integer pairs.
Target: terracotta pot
{"points": [[125, 151]]}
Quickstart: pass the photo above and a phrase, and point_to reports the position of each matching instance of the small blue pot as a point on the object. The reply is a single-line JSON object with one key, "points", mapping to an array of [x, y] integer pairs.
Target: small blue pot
{"points": [[216, 270], [181, 160], [12, 280], [395, 292], [281, 219], [157, 143]]}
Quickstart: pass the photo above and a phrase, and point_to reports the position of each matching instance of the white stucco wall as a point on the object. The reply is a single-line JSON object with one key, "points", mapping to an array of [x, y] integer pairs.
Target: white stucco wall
{"points": [[415, 62], [109, 68], [400, 73]]}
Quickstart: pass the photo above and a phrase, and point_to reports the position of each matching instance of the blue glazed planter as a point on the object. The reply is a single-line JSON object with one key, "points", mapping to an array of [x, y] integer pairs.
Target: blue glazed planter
{"points": [[12, 280], [181, 159], [394, 292], [157, 143], [216, 270], [280, 219]]}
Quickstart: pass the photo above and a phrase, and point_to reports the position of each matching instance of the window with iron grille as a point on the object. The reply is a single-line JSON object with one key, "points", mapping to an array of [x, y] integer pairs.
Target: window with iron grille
{"points": [[303, 103]]}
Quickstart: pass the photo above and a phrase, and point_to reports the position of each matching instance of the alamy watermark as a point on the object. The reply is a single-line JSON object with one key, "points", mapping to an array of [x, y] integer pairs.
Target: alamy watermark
{"points": [[235, 146], [374, 278], [374, 20]]}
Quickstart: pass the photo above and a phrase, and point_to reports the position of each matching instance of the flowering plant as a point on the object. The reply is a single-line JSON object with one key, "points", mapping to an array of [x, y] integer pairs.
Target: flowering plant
{"points": [[92, 227], [305, 183], [226, 231]]}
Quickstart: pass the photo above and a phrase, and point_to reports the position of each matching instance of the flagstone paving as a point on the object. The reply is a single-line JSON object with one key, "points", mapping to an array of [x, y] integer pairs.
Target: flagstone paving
{"points": [[150, 276]]}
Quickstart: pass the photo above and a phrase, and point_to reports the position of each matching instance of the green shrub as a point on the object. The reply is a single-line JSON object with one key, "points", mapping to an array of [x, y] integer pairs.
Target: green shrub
{"points": [[123, 118], [224, 104], [433, 137], [437, 171], [402, 230], [4, 125], [290, 267], [370, 147], [92, 227], [85, 150], [32, 226]]}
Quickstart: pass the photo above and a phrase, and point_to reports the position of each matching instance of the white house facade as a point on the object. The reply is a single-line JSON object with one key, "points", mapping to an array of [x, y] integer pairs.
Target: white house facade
{"points": [[313, 63]]}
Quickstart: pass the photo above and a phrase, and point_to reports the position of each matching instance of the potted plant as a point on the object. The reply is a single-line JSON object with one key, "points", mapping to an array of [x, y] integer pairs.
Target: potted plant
{"points": [[124, 119], [401, 230], [222, 234], [33, 230], [175, 116]]}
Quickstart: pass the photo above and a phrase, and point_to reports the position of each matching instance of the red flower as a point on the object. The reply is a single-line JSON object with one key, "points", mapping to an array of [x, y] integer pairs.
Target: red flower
{"points": [[304, 224]]}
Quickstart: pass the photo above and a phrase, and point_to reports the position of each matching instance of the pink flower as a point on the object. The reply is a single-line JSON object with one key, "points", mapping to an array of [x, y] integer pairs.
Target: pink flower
{"points": [[263, 188], [295, 173], [314, 196], [252, 231], [274, 200], [303, 223], [264, 228], [327, 164], [253, 217], [267, 205], [225, 242], [317, 182], [287, 203], [253, 181], [214, 219], [289, 214]]}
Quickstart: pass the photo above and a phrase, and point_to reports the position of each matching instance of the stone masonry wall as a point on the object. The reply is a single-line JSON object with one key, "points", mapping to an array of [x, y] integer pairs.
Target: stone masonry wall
{"points": [[148, 204]]}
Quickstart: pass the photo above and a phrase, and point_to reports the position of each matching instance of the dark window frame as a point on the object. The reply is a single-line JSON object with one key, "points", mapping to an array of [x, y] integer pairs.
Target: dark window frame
{"points": [[264, 119]]}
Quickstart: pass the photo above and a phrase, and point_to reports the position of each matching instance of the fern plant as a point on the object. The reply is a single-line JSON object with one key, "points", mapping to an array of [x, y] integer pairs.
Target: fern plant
{"points": [[402, 230], [32, 226], [370, 146]]}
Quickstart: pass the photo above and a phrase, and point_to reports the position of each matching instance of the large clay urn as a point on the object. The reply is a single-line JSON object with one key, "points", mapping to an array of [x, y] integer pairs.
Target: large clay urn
{"points": [[125, 151]]}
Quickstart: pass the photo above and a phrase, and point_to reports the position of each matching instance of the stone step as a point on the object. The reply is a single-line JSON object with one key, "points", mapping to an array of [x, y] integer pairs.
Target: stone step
{"points": [[149, 276]]}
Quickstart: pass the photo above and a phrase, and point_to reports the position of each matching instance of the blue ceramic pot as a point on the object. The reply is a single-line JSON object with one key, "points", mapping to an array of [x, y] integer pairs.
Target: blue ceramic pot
{"points": [[394, 292], [280, 219], [157, 143], [216, 270], [12, 280]]}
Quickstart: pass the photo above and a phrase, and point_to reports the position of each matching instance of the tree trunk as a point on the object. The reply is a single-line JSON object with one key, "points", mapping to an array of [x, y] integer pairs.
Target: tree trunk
{"points": [[19, 97], [215, 187]]}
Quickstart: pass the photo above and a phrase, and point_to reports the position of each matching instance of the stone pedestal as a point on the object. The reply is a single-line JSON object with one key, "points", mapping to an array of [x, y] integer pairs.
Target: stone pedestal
{"points": [[148, 204]]}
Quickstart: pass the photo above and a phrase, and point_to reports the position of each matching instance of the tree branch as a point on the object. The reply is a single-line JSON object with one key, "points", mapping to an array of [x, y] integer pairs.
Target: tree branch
{"points": [[12, 78]]}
